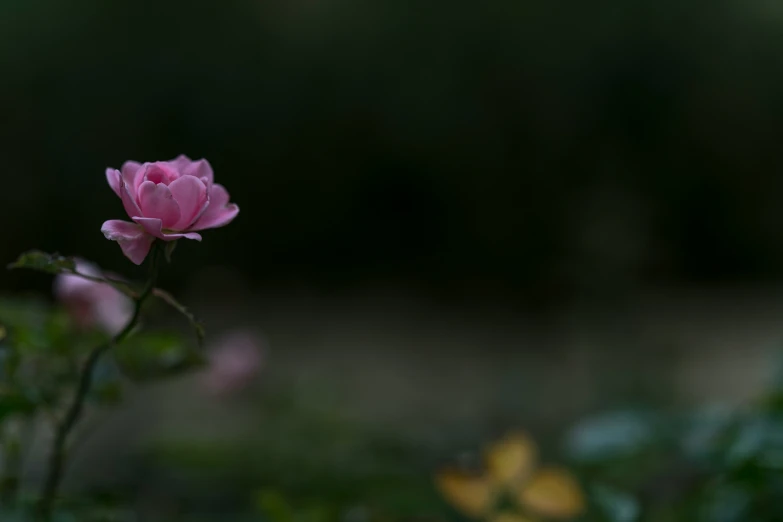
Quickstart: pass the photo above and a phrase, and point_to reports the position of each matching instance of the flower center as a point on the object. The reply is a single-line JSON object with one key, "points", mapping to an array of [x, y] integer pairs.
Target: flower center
{"points": [[158, 174]]}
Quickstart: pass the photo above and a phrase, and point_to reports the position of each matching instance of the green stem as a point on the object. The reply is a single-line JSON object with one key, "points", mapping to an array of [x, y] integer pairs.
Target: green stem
{"points": [[74, 412]]}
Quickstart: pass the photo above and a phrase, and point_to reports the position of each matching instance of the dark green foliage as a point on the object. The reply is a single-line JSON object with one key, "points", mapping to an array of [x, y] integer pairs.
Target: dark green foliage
{"points": [[148, 356], [41, 261]]}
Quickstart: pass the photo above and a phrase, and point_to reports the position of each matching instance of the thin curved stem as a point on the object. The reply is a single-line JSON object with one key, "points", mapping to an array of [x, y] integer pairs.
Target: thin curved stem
{"points": [[73, 414]]}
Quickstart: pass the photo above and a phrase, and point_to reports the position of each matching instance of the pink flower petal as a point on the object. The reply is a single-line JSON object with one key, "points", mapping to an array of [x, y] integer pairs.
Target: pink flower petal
{"points": [[205, 206], [180, 162], [129, 200], [219, 213], [156, 201], [187, 167], [154, 226], [200, 169], [134, 242], [191, 196], [235, 362], [132, 174], [68, 286], [113, 177], [91, 303]]}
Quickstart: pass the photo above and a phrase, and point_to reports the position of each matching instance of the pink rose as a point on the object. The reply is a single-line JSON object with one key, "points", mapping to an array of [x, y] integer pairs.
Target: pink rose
{"points": [[166, 200], [234, 362], [91, 303]]}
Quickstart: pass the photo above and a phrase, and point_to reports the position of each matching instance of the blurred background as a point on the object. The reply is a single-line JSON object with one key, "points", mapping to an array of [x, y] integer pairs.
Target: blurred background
{"points": [[456, 218]]}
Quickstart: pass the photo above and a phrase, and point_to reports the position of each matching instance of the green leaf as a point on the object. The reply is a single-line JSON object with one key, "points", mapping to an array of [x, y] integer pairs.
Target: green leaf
{"points": [[616, 505], [57, 264], [169, 299], [154, 355], [707, 431], [315, 513], [13, 516], [43, 262], [23, 313], [13, 402], [274, 505], [611, 435], [727, 503]]}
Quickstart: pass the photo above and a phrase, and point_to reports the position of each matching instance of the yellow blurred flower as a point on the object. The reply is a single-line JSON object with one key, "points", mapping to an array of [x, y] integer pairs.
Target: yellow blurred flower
{"points": [[552, 493], [510, 470], [510, 459], [471, 494]]}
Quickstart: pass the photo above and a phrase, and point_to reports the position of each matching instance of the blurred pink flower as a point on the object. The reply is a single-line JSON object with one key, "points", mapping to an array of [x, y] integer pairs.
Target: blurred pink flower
{"points": [[166, 200], [234, 362], [91, 303]]}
